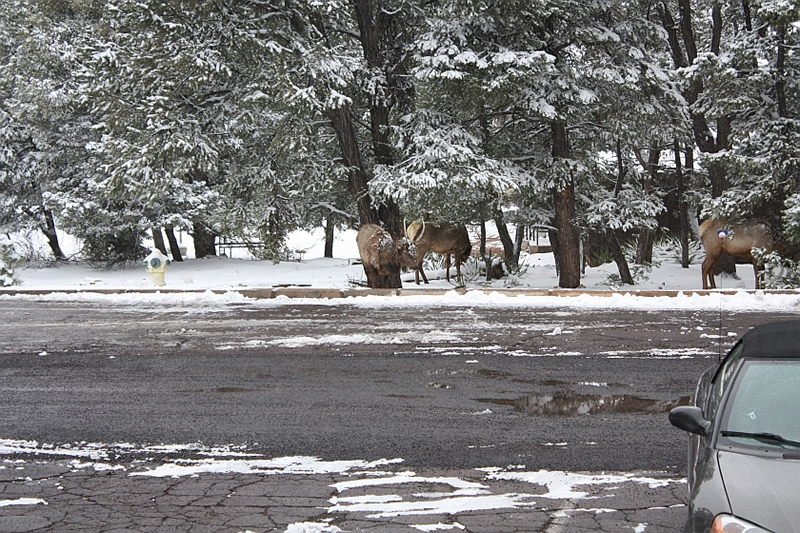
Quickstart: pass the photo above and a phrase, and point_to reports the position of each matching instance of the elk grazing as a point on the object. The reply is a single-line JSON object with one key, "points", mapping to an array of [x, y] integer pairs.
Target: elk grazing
{"points": [[737, 240], [443, 239], [383, 256]]}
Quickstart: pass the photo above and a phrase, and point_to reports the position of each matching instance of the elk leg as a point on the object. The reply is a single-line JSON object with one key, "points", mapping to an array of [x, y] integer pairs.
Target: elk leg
{"points": [[420, 271], [708, 273], [447, 265], [712, 281]]}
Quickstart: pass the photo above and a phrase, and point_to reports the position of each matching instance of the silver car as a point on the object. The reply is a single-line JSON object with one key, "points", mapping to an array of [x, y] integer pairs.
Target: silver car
{"points": [[744, 445]]}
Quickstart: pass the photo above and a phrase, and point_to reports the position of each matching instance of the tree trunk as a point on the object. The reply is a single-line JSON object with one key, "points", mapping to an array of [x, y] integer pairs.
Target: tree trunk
{"points": [[173, 245], [389, 214], [158, 240], [50, 233], [748, 17], [613, 236], [357, 185], [719, 182], [390, 281], [682, 207], [716, 27], [619, 258], [644, 245], [719, 179], [329, 227], [357, 179], [569, 237], [685, 10], [342, 123], [505, 240], [204, 238], [487, 258], [569, 261], [379, 38], [780, 68], [552, 236], [518, 238]]}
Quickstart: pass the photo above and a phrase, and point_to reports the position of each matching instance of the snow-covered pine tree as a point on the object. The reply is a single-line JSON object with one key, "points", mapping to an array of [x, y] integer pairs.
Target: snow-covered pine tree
{"points": [[554, 84], [178, 91], [754, 80], [741, 81], [349, 66], [42, 129]]}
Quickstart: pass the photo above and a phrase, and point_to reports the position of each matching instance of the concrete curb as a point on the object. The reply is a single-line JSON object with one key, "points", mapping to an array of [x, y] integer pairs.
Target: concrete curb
{"points": [[265, 293]]}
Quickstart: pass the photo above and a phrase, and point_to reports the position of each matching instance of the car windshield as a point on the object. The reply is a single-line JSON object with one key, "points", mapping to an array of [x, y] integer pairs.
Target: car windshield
{"points": [[764, 405]]}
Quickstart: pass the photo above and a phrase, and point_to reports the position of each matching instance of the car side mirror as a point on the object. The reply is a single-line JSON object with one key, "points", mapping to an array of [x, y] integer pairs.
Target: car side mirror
{"points": [[690, 418]]}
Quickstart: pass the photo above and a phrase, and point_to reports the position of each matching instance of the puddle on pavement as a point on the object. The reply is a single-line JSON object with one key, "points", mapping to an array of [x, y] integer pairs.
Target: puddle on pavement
{"points": [[585, 404], [558, 383], [497, 374], [219, 390]]}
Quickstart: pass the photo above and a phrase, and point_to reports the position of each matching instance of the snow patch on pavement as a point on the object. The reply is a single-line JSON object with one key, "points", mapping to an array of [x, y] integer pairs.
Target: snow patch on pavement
{"points": [[22, 501], [413, 495], [100, 451], [283, 465], [311, 527], [562, 485], [300, 341]]}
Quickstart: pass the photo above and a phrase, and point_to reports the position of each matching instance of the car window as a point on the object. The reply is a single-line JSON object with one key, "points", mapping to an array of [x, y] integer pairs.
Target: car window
{"points": [[721, 381], [766, 399]]}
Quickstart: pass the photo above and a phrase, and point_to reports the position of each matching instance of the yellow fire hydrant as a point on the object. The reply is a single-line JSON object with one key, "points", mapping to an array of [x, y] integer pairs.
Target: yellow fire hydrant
{"points": [[157, 264]]}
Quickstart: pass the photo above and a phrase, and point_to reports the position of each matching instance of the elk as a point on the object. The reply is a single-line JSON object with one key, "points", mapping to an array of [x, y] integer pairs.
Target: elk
{"points": [[443, 239], [383, 256], [737, 240]]}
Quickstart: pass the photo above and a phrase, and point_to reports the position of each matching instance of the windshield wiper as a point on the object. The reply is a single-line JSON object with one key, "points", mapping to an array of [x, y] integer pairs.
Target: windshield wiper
{"points": [[765, 437]]}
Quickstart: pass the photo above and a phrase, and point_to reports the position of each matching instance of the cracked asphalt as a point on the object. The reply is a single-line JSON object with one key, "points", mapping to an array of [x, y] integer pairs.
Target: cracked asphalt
{"points": [[111, 500], [456, 393]]}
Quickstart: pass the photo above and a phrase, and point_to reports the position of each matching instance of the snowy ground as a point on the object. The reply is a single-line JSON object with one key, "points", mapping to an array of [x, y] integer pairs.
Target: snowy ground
{"points": [[340, 272], [343, 272]]}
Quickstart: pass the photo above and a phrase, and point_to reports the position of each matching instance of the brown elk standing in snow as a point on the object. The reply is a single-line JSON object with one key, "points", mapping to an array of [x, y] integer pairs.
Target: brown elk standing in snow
{"points": [[737, 240], [443, 239], [383, 257]]}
